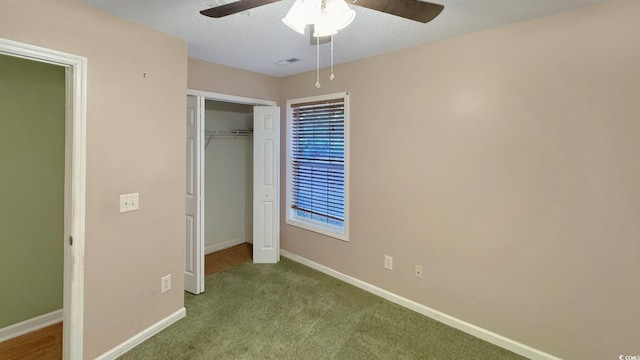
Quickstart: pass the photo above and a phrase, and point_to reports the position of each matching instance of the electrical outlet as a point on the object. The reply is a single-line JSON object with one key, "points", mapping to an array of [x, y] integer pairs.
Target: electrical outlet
{"points": [[129, 202], [418, 272], [165, 284], [388, 262]]}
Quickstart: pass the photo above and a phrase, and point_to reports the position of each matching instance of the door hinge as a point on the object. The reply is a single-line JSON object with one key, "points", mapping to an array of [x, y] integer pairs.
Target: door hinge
{"points": [[71, 240]]}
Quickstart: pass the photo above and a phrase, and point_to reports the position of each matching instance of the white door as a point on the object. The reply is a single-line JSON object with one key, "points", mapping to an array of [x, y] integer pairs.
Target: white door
{"points": [[194, 264], [266, 174]]}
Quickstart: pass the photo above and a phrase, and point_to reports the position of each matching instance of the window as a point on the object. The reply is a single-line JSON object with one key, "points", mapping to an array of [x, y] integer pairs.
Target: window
{"points": [[317, 164]]}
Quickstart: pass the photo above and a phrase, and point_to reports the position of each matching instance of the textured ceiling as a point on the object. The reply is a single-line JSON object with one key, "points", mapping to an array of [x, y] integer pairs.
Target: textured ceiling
{"points": [[257, 39]]}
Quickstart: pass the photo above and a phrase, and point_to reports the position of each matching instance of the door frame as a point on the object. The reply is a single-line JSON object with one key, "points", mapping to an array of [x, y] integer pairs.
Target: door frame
{"points": [[75, 184], [206, 95]]}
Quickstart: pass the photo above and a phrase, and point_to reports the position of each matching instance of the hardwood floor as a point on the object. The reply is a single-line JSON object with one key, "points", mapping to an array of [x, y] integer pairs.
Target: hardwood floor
{"points": [[224, 259], [43, 344], [46, 343]]}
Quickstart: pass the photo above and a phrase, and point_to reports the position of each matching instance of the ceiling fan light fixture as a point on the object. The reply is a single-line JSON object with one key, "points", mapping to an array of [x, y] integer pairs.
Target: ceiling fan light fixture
{"points": [[337, 13], [296, 26], [320, 31], [329, 16], [326, 26], [302, 13]]}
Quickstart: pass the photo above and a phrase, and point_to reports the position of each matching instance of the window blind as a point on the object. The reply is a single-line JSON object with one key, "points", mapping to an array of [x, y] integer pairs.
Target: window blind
{"points": [[317, 158]]}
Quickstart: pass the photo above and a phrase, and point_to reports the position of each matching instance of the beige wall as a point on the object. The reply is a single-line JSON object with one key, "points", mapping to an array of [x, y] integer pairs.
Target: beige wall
{"points": [[226, 80], [505, 163], [135, 143]]}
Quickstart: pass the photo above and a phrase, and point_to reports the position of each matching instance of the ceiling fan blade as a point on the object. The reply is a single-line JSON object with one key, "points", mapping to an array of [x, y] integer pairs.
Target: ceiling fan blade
{"points": [[409, 9], [314, 40], [235, 7]]}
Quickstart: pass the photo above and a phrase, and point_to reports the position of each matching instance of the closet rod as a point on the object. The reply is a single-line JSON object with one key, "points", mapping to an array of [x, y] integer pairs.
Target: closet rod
{"points": [[231, 132], [228, 134]]}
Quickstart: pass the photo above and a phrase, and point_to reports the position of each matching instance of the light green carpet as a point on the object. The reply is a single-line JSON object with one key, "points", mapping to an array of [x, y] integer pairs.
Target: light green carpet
{"points": [[289, 311]]}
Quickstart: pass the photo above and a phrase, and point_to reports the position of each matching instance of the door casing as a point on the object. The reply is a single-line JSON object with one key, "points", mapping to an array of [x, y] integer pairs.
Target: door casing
{"points": [[74, 192], [202, 96]]}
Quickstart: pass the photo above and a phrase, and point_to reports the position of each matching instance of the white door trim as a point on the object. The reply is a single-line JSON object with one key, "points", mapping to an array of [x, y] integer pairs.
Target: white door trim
{"points": [[75, 170], [206, 95], [230, 98]]}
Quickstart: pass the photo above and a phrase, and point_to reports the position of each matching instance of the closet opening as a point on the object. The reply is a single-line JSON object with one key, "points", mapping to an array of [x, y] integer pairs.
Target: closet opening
{"points": [[232, 209], [228, 184]]}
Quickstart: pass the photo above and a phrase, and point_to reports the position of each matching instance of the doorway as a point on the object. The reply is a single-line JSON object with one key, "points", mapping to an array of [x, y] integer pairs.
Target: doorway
{"points": [[233, 142], [71, 154], [228, 175], [32, 188]]}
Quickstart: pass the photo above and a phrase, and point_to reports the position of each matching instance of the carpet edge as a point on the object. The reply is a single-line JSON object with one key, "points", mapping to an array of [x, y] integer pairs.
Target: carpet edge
{"points": [[481, 333]]}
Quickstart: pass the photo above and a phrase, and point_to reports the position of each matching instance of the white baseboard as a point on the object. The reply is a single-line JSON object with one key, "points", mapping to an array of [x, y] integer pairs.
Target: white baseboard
{"points": [[30, 325], [484, 334], [143, 336], [224, 245]]}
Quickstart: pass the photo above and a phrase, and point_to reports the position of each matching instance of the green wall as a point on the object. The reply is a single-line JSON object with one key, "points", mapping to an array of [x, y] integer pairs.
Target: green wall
{"points": [[32, 119]]}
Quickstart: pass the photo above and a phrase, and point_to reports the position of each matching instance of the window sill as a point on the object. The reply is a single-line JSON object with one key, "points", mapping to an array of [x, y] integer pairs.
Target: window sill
{"points": [[317, 228]]}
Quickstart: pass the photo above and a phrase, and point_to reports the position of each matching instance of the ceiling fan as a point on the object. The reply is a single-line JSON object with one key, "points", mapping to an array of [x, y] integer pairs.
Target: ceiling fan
{"points": [[416, 10]]}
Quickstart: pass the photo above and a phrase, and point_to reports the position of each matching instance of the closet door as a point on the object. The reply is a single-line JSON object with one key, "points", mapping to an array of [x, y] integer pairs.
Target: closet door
{"points": [[194, 264], [266, 173]]}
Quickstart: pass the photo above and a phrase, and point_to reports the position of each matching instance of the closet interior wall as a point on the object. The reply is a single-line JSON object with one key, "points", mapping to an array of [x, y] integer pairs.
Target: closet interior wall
{"points": [[228, 184]]}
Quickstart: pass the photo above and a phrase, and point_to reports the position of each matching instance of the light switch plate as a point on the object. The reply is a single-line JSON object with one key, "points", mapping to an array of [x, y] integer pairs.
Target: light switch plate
{"points": [[388, 262], [129, 202], [165, 284]]}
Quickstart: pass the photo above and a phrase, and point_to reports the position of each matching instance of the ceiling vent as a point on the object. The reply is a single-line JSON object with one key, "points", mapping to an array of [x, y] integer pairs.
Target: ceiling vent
{"points": [[287, 61]]}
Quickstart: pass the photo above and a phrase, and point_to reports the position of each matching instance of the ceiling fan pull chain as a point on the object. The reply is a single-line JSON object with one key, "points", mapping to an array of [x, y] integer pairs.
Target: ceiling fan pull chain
{"points": [[331, 77], [318, 62]]}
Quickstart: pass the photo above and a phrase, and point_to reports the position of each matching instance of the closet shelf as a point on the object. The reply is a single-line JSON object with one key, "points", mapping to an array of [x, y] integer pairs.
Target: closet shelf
{"points": [[231, 132], [226, 134]]}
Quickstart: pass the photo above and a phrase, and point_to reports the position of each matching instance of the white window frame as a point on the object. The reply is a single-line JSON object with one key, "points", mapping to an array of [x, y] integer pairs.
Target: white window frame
{"points": [[341, 233]]}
